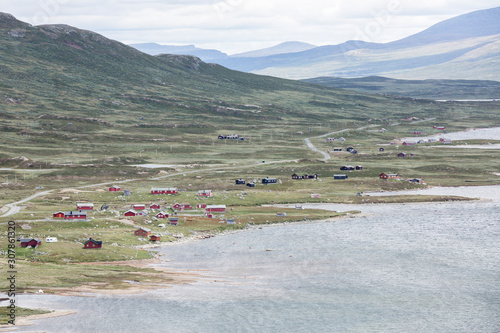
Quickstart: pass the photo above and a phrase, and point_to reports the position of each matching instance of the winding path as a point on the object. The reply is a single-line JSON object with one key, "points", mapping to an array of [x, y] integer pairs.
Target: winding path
{"points": [[13, 208], [326, 156], [311, 146]]}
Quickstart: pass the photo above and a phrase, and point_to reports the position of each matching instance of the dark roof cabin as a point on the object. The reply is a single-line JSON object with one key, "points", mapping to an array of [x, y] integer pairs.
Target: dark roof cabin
{"points": [[92, 244], [269, 180], [30, 242]]}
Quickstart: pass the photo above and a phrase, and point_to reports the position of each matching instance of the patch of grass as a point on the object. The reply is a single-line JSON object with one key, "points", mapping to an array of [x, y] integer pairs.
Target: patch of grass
{"points": [[51, 276], [20, 312]]}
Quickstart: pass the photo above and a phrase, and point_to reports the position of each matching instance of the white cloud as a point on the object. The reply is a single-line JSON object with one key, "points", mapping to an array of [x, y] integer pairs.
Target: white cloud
{"points": [[240, 25]]}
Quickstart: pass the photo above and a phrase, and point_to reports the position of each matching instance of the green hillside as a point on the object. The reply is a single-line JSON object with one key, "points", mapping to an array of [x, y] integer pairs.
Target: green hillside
{"points": [[71, 95]]}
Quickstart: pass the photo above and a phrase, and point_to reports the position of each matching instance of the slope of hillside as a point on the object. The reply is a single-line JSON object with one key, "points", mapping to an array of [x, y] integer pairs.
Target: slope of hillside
{"points": [[61, 85], [286, 47], [73, 95], [479, 23]]}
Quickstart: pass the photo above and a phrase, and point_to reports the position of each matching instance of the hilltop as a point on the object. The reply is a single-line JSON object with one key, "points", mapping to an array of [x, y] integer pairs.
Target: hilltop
{"points": [[463, 47]]}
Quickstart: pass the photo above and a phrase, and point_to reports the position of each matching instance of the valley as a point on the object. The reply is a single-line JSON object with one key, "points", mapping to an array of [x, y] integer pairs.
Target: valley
{"points": [[80, 113]]}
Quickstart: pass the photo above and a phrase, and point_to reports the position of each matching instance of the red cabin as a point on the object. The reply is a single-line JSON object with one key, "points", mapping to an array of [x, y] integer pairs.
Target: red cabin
{"points": [[84, 206], [202, 205], [182, 206], [164, 190], [58, 214], [139, 207], [205, 193], [215, 209], [174, 220], [114, 188], [162, 215], [130, 213], [389, 176], [155, 238], [92, 244], [154, 206], [142, 232], [30, 242]]}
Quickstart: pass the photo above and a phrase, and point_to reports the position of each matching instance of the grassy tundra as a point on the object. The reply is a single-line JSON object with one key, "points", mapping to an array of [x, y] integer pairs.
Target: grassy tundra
{"points": [[78, 112]]}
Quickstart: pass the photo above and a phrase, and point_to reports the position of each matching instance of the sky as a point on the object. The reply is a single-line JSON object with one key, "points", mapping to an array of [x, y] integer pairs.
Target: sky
{"points": [[234, 26]]}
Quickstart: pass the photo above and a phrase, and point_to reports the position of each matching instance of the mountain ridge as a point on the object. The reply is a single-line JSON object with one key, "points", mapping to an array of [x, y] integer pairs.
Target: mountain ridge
{"points": [[63, 69], [463, 47], [157, 49], [456, 48], [285, 47]]}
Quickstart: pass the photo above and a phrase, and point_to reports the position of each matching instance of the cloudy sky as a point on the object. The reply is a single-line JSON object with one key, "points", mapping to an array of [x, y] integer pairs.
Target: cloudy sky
{"points": [[234, 26]]}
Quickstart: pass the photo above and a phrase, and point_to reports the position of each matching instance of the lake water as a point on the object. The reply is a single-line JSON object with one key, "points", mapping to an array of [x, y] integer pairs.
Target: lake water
{"points": [[473, 134], [401, 268]]}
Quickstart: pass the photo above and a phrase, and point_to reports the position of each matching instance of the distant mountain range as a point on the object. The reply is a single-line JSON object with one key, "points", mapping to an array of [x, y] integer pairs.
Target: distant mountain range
{"points": [[208, 55], [157, 49], [463, 47]]}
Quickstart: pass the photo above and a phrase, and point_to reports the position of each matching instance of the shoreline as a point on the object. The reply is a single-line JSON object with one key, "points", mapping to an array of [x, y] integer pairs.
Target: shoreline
{"points": [[175, 277], [172, 278], [182, 277], [28, 320]]}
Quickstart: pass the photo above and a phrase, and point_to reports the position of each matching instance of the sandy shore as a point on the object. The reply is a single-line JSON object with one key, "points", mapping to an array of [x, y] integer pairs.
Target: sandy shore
{"points": [[25, 321], [167, 276], [28, 320]]}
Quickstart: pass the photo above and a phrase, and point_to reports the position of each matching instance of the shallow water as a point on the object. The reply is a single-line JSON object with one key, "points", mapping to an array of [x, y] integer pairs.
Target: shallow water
{"points": [[402, 268], [475, 192], [473, 134]]}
